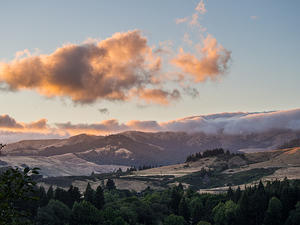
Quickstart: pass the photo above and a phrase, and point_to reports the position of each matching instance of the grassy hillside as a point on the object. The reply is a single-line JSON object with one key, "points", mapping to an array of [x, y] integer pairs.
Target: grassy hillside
{"points": [[206, 173]]}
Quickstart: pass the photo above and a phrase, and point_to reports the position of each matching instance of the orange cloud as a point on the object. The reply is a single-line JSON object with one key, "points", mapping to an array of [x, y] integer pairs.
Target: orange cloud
{"points": [[212, 60], [9, 124], [39, 125], [158, 96], [108, 69], [144, 125]]}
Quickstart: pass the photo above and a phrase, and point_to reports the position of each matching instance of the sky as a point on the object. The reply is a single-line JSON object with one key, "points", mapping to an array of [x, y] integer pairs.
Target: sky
{"points": [[67, 66]]}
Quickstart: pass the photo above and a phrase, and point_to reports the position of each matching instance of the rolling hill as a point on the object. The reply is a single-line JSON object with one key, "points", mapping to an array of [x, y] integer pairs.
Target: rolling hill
{"points": [[84, 154]]}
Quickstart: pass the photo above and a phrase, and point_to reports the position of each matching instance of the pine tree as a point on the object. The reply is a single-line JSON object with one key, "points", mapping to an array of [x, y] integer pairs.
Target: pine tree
{"points": [[50, 193], [43, 199], [99, 198], [73, 195], [89, 194], [175, 199], [244, 209], [198, 211], [237, 194], [61, 195], [183, 209], [110, 184], [230, 194]]}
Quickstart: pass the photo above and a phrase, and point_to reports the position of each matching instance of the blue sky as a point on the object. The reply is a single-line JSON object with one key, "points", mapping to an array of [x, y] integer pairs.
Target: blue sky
{"points": [[263, 75]]}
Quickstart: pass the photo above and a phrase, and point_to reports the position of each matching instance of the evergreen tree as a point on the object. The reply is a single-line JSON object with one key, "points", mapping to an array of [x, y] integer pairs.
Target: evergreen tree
{"points": [[50, 193], [174, 220], [55, 212], [244, 209], [288, 197], [119, 221], [42, 195], [89, 194], [110, 184], [197, 211], [180, 187], [230, 194], [237, 194], [203, 223], [183, 209], [273, 214], [99, 198], [61, 195], [294, 217], [175, 199], [259, 203], [84, 213], [73, 195]]}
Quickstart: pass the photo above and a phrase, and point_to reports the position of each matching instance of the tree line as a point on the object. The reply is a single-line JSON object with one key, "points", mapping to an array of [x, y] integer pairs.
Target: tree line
{"points": [[23, 202], [211, 153]]}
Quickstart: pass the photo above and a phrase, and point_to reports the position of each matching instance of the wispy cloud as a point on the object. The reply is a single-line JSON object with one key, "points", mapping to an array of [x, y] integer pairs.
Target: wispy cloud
{"points": [[212, 61], [193, 20], [181, 20], [201, 7]]}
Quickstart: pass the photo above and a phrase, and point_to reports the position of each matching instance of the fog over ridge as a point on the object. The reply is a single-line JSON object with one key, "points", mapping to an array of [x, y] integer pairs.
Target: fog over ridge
{"points": [[221, 123]]}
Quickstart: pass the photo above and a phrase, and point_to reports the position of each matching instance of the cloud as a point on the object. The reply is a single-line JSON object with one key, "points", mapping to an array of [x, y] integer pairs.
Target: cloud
{"points": [[254, 17], [8, 122], [40, 124], [227, 123], [158, 96], [187, 40], [14, 136], [194, 19], [12, 130], [193, 92], [103, 111], [201, 7], [213, 60], [104, 127], [237, 123], [144, 125], [105, 70], [181, 20]]}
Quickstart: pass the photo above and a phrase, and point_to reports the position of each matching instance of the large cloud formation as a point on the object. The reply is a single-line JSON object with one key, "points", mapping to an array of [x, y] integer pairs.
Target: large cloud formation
{"points": [[120, 68], [111, 69], [227, 123]]}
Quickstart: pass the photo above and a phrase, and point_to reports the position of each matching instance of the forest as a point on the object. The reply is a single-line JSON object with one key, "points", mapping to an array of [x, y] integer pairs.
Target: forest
{"points": [[23, 202]]}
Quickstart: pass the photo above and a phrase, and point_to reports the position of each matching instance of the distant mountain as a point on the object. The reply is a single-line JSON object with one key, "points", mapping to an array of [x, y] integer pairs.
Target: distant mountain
{"points": [[140, 148]]}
